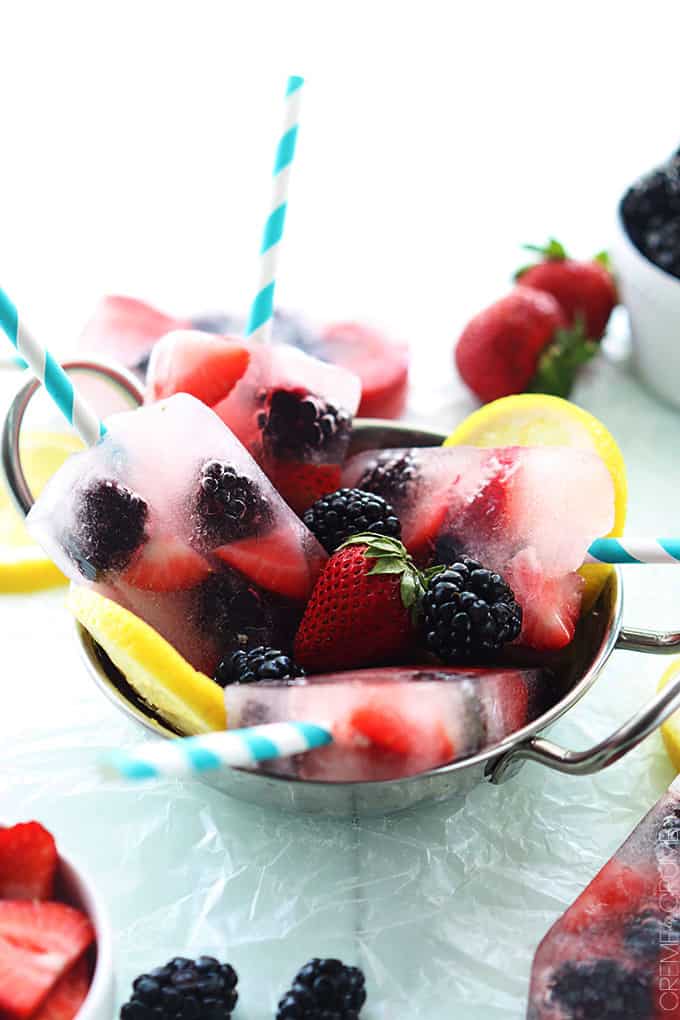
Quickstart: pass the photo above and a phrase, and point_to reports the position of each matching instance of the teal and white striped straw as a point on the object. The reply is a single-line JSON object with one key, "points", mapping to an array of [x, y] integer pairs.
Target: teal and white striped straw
{"points": [[190, 756], [50, 373], [262, 309], [634, 550]]}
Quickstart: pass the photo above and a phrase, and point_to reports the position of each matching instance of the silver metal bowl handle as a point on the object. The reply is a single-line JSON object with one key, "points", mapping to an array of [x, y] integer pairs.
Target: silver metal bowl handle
{"points": [[598, 757], [10, 458], [654, 641]]}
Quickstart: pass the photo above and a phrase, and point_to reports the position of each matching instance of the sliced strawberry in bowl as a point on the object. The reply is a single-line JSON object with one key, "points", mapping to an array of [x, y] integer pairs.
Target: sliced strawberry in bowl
{"points": [[39, 943], [165, 564], [551, 606], [125, 329], [302, 484], [68, 995], [203, 365], [381, 724], [278, 562], [28, 862]]}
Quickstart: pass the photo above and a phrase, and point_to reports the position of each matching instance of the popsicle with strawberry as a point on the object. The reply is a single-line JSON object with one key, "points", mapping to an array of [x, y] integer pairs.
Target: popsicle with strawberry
{"points": [[614, 953], [292, 412], [169, 516], [528, 513]]}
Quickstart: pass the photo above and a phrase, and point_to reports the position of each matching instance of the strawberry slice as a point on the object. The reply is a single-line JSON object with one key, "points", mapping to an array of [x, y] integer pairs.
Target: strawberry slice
{"points": [[381, 364], [39, 942], [302, 484], [276, 561], [615, 890], [28, 862], [550, 605], [68, 995], [202, 364], [125, 329], [166, 564], [386, 728]]}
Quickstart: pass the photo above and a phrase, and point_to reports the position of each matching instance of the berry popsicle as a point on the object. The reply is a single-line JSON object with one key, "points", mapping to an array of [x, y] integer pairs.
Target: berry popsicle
{"points": [[394, 721], [169, 516], [292, 412], [614, 954], [529, 513]]}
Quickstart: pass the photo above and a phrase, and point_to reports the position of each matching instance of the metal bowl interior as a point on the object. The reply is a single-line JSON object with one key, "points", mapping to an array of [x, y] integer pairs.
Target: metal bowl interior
{"points": [[575, 669]]}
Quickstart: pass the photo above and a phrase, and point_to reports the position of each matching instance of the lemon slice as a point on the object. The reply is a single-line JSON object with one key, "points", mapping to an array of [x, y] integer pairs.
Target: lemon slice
{"points": [[670, 730], [23, 565], [189, 700], [534, 419]]}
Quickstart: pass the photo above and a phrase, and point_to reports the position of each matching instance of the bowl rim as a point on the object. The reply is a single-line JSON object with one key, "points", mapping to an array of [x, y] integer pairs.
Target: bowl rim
{"points": [[92, 904]]}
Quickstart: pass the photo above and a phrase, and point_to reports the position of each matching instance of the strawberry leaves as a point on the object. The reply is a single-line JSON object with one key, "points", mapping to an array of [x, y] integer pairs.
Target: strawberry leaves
{"points": [[561, 360], [391, 557], [553, 251]]}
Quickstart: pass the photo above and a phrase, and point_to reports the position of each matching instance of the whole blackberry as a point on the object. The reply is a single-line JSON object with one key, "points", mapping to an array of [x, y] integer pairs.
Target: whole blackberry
{"points": [[259, 663], [603, 990], [296, 425], [228, 505], [469, 611], [109, 526], [202, 989], [227, 606], [391, 476], [335, 517], [651, 213], [324, 990]]}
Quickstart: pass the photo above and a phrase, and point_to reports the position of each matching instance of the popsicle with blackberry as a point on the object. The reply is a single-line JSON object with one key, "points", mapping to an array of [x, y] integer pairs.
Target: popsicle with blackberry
{"points": [[290, 410], [170, 516], [528, 513], [394, 721], [615, 952]]}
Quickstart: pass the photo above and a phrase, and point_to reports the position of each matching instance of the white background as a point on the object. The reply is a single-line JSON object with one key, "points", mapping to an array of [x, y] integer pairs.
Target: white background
{"points": [[435, 137]]}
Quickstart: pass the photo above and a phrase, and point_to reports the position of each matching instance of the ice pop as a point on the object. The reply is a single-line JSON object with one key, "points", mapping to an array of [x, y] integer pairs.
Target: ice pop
{"points": [[529, 513], [396, 721], [290, 410], [615, 953], [170, 516]]}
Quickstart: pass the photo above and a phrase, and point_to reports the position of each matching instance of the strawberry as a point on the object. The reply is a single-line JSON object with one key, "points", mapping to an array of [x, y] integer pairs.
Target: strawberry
{"points": [[277, 562], [361, 606], [613, 890], [302, 484], [39, 943], [203, 365], [381, 364], [68, 995], [585, 291], [384, 726], [521, 343], [28, 862], [166, 564]]}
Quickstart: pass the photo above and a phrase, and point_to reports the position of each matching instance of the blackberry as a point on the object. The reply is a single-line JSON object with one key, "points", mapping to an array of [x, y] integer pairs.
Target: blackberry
{"points": [[469, 611], [324, 990], [109, 526], [228, 605], [646, 934], [202, 989], [651, 213], [392, 477], [259, 663], [295, 424], [228, 506], [335, 517], [603, 990]]}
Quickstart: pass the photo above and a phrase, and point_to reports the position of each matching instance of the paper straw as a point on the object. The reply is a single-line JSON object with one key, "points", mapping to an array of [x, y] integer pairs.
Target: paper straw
{"points": [[634, 550], [262, 309], [50, 373], [190, 756]]}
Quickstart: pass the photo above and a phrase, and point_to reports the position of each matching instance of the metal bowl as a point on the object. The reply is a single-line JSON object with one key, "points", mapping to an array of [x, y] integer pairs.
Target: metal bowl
{"points": [[576, 668]]}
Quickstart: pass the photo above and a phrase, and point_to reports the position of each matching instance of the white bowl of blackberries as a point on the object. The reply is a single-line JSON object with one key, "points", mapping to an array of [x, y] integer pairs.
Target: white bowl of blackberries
{"points": [[646, 256]]}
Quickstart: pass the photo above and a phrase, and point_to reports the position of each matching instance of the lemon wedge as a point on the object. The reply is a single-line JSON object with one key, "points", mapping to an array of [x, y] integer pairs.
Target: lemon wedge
{"points": [[190, 701], [534, 419]]}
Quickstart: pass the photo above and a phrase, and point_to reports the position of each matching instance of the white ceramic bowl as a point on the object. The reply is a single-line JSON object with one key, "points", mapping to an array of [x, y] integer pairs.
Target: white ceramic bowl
{"points": [[76, 888], [652, 297]]}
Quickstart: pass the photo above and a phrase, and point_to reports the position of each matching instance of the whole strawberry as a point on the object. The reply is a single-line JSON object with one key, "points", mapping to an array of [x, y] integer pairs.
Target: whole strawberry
{"points": [[360, 611], [584, 290], [520, 343]]}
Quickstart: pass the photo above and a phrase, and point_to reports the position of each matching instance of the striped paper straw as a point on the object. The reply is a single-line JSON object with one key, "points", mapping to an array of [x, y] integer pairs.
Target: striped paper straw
{"points": [[189, 756], [634, 550], [50, 373], [262, 309]]}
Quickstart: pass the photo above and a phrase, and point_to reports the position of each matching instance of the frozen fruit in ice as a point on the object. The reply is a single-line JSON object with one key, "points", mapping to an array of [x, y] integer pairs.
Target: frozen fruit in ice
{"points": [[228, 505], [261, 663], [28, 862], [165, 564], [302, 483], [39, 943], [381, 363], [346, 512], [109, 526], [390, 475], [125, 329], [469, 612], [207, 367], [295, 425], [275, 562]]}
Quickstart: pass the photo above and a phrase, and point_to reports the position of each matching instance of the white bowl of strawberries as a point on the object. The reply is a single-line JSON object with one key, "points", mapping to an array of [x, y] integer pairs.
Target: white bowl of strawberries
{"points": [[56, 958]]}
